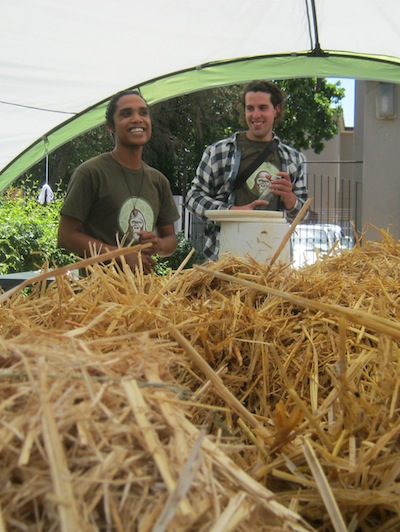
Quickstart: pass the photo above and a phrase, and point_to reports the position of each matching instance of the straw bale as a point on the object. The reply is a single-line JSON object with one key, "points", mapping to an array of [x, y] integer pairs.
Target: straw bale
{"points": [[87, 443], [232, 396]]}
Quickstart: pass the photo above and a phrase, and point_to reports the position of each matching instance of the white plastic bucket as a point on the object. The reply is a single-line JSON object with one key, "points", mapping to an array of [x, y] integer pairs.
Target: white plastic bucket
{"points": [[255, 233]]}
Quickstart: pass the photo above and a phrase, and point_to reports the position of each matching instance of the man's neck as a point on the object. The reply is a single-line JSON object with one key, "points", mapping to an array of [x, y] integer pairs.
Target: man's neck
{"points": [[262, 138], [129, 157]]}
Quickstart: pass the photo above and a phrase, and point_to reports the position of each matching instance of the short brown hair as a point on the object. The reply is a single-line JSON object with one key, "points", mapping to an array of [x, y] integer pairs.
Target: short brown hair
{"points": [[277, 94]]}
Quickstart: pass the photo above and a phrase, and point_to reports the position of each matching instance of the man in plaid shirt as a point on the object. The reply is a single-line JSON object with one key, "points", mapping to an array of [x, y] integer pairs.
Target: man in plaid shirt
{"points": [[215, 185]]}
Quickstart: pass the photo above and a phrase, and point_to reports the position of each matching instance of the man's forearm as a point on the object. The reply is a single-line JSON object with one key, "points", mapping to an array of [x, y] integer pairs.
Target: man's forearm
{"points": [[168, 245]]}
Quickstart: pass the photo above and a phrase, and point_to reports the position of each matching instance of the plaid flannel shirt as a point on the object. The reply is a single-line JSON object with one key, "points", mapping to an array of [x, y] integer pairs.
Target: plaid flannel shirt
{"points": [[213, 186]]}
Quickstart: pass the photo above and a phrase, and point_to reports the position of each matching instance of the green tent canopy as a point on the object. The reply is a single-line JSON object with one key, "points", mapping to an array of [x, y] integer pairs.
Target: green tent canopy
{"points": [[61, 61]]}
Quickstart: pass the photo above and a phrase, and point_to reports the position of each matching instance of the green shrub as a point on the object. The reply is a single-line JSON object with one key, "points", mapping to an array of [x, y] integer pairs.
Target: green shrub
{"points": [[29, 232]]}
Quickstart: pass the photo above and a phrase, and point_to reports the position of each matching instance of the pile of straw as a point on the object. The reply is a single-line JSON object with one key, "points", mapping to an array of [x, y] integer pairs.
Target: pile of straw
{"points": [[233, 396]]}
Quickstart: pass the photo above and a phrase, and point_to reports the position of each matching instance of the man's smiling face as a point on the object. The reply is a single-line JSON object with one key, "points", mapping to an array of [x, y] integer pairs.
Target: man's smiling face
{"points": [[260, 115], [132, 123]]}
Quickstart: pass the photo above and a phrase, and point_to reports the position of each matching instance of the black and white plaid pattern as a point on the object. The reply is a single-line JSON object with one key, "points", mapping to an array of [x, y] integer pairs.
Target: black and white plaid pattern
{"points": [[213, 185]]}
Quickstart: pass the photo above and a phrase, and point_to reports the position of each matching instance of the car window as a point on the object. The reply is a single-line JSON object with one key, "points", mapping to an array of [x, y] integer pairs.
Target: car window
{"points": [[311, 236]]}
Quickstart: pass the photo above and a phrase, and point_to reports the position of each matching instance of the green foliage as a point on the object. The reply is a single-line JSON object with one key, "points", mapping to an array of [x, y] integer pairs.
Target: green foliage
{"points": [[184, 247], [184, 126], [29, 232], [312, 113]]}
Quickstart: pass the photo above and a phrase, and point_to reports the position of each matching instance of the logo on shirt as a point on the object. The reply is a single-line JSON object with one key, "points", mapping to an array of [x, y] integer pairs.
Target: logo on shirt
{"points": [[135, 215], [260, 180]]}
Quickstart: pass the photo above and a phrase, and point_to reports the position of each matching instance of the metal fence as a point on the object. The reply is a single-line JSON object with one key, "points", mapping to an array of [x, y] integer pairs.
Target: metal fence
{"points": [[336, 201]]}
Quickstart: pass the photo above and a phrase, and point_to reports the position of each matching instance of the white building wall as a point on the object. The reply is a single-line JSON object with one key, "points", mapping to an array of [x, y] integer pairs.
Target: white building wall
{"points": [[379, 141], [368, 155]]}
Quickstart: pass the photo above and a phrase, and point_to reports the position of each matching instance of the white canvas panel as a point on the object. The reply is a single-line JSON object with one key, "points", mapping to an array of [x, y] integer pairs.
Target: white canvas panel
{"points": [[59, 59]]}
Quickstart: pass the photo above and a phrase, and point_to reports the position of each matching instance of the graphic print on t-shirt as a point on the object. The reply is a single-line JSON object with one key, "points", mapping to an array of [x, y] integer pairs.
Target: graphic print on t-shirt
{"points": [[260, 180], [135, 215]]}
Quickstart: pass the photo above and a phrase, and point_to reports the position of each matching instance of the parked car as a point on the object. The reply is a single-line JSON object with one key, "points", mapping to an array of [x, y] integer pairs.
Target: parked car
{"points": [[335, 233], [312, 240]]}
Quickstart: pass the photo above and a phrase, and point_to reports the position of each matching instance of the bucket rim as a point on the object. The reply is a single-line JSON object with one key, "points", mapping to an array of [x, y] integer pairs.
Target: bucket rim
{"points": [[225, 215]]}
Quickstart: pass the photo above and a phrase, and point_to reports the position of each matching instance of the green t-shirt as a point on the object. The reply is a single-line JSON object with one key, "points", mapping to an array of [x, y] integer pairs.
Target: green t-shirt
{"points": [[114, 201], [260, 179]]}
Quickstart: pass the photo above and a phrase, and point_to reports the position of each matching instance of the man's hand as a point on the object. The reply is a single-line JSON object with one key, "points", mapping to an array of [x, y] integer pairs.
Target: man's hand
{"points": [[149, 237], [283, 187], [163, 242], [279, 187], [135, 258], [250, 206]]}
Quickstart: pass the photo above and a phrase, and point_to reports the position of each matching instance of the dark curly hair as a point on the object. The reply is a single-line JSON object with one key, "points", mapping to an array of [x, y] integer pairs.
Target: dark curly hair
{"points": [[112, 104]]}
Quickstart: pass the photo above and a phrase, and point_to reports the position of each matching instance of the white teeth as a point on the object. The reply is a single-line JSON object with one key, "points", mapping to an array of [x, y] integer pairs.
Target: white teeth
{"points": [[136, 130]]}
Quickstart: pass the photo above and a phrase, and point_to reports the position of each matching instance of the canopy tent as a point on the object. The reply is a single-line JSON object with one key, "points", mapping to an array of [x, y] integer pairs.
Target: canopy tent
{"points": [[61, 61]]}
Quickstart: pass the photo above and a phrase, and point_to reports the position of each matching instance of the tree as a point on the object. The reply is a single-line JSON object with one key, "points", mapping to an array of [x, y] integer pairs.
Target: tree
{"points": [[312, 112], [185, 125]]}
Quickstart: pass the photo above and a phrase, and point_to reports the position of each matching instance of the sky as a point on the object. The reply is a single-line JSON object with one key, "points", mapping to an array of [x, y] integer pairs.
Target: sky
{"points": [[348, 100]]}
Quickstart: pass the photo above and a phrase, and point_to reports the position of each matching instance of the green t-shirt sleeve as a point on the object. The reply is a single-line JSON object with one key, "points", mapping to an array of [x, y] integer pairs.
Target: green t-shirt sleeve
{"points": [[80, 196]]}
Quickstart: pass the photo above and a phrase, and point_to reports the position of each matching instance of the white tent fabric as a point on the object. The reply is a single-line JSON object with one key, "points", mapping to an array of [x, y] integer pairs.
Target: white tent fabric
{"points": [[61, 61]]}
